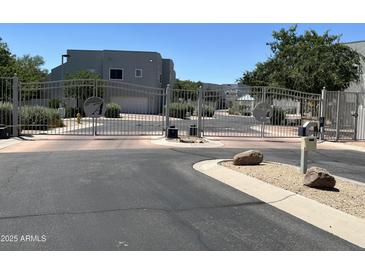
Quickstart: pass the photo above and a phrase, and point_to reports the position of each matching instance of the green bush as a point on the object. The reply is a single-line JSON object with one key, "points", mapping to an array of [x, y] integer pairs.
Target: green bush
{"points": [[239, 109], [70, 112], [180, 110], [278, 116], [37, 117], [54, 103], [113, 110], [31, 117], [6, 111], [208, 111]]}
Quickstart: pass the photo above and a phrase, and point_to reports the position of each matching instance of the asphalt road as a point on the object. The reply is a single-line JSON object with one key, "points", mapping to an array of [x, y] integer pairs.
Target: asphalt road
{"points": [[142, 200]]}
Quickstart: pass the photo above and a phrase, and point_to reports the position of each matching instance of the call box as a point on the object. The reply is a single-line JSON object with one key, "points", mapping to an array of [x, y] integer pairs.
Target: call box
{"points": [[309, 143]]}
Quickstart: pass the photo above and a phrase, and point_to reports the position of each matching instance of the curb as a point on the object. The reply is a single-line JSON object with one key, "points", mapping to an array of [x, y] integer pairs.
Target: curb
{"points": [[336, 222]]}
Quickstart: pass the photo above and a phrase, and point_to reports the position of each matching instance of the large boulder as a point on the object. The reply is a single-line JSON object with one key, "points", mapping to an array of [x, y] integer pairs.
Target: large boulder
{"points": [[249, 157], [319, 178]]}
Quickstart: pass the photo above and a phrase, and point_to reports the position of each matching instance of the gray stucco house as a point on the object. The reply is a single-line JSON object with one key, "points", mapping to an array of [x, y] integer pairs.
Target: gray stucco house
{"points": [[359, 46], [135, 67]]}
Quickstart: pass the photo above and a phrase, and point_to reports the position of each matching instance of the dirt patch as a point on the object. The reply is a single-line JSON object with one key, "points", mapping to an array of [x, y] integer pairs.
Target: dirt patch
{"points": [[347, 197]]}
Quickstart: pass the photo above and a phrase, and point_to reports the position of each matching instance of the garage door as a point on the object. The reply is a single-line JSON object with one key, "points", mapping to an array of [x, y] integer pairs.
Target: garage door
{"points": [[132, 104]]}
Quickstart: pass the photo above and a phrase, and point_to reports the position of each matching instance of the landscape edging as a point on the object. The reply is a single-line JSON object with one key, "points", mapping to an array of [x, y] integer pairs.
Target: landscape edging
{"points": [[334, 221]]}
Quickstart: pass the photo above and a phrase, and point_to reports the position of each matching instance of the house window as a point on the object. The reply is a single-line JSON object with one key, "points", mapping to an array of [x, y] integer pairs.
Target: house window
{"points": [[116, 74], [138, 73]]}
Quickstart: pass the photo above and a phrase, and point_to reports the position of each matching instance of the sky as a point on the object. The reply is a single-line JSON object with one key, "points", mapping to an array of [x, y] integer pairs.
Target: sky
{"points": [[214, 53]]}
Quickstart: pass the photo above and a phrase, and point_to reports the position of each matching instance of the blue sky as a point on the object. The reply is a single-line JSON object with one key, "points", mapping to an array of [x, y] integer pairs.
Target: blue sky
{"points": [[217, 53]]}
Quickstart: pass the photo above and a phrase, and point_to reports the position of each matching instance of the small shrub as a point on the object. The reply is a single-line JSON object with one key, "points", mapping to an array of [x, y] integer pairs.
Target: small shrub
{"points": [[71, 112], [37, 117], [239, 109], [208, 111], [278, 116], [6, 113], [179, 110], [190, 108], [54, 103], [113, 110]]}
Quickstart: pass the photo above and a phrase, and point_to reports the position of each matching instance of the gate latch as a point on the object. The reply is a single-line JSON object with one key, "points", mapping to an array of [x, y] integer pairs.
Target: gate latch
{"points": [[354, 114]]}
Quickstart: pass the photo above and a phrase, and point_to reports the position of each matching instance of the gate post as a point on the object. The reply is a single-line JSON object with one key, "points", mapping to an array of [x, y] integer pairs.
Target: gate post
{"points": [[15, 119], [338, 115], [167, 108], [200, 112], [323, 112]]}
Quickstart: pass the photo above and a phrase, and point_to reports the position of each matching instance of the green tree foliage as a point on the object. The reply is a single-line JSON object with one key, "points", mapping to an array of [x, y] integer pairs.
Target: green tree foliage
{"points": [[80, 86], [306, 62], [7, 60], [187, 84], [186, 89], [27, 68], [83, 74]]}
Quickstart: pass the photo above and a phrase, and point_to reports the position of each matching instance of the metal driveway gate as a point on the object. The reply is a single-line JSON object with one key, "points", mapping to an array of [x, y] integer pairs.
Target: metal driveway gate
{"points": [[53, 107], [344, 113], [230, 112]]}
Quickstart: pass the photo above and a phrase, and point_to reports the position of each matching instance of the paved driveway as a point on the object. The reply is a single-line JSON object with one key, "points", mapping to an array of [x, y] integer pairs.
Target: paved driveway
{"points": [[140, 199]]}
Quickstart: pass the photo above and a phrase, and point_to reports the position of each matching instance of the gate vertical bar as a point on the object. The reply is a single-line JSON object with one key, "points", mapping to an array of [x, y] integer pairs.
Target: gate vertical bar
{"points": [[15, 121], [323, 111], [200, 111], [356, 115], [94, 119], [167, 108], [263, 123], [338, 115]]}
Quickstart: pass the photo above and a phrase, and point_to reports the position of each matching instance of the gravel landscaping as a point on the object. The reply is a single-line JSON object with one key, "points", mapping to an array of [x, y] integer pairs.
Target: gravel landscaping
{"points": [[347, 197]]}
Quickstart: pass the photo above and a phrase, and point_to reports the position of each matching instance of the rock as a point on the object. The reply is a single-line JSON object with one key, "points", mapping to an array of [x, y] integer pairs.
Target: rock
{"points": [[249, 157], [319, 178]]}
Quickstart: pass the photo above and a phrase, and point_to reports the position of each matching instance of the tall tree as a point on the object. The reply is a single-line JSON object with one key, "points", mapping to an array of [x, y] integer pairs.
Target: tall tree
{"points": [[306, 62], [7, 60], [29, 68]]}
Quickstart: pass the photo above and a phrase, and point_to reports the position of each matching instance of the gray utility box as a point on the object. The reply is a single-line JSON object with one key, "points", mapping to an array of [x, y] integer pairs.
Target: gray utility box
{"points": [[4, 132], [172, 132], [193, 130]]}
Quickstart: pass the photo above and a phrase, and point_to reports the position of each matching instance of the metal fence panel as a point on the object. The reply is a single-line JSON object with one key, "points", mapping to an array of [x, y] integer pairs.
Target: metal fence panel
{"points": [[344, 115], [142, 109], [53, 108], [6, 101], [40, 103], [230, 112], [183, 109]]}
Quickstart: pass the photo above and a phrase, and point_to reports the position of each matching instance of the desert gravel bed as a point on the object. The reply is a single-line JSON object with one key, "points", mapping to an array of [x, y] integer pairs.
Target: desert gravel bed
{"points": [[347, 197]]}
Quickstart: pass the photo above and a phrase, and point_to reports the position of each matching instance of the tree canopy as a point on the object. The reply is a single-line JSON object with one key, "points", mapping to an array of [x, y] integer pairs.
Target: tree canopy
{"points": [[82, 74], [187, 84], [306, 62], [27, 68]]}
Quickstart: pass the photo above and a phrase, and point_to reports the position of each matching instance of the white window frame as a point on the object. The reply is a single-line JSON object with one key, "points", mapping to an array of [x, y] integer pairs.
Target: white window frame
{"points": [[116, 69], [135, 73]]}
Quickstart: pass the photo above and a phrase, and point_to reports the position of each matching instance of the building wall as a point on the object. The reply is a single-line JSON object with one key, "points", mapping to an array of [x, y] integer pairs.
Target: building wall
{"points": [[360, 48], [156, 72]]}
